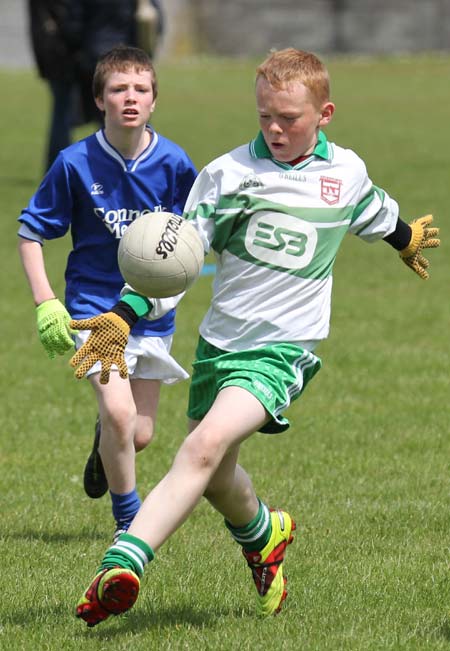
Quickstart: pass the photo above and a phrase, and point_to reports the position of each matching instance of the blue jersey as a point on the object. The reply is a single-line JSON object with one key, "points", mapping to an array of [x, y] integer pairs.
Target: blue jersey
{"points": [[95, 192]]}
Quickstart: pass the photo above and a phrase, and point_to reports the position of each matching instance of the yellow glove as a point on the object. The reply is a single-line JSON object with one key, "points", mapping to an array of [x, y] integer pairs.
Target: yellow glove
{"points": [[422, 237], [53, 327], [105, 344]]}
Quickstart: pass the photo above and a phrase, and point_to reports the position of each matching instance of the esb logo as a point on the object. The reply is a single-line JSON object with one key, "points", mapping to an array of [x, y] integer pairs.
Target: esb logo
{"points": [[281, 240]]}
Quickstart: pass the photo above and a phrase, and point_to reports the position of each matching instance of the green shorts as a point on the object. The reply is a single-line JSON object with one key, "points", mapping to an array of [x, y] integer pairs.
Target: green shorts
{"points": [[276, 375]]}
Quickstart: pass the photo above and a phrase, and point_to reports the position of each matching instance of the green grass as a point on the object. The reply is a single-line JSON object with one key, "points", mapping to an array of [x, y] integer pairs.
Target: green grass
{"points": [[364, 468]]}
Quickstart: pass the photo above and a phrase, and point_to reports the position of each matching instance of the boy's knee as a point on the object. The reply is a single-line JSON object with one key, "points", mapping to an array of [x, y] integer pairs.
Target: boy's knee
{"points": [[204, 449], [142, 438], [119, 422]]}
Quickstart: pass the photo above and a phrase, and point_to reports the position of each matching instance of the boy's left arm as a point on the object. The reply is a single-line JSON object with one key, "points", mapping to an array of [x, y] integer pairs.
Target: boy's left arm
{"points": [[410, 240]]}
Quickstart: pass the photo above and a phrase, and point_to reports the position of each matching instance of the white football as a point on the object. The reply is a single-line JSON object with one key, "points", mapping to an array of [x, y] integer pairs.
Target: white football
{"points": [[160, 254]]}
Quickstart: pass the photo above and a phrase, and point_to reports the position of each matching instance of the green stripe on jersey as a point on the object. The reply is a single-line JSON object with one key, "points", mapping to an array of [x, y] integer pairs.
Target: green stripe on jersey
{"points": [[365, 203], [279, 237]]}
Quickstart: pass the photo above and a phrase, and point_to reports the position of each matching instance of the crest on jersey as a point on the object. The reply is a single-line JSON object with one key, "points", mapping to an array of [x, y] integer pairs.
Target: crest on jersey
{"points": [[330, 190]]}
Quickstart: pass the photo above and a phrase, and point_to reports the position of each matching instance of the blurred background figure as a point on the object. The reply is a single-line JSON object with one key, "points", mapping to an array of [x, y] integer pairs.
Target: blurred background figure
{"points": [[56, 64], [149, 25], [96, 26], [68, 37]]}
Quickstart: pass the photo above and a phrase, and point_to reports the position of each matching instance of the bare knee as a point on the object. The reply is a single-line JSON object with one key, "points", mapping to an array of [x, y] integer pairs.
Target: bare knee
{"points": [[203, 449], [142, 437], [119, 422]]}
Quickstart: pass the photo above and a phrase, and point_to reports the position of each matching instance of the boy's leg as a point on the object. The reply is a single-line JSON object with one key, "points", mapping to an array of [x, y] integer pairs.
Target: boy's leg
{"points": [[230, 491], [146, 398], [263, 534], [235, 415], [119, 418]]}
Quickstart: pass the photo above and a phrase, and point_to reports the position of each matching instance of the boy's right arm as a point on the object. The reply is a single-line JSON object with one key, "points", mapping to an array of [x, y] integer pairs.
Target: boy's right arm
{"points": [[109, 336], [109, 332], [51, 315]]}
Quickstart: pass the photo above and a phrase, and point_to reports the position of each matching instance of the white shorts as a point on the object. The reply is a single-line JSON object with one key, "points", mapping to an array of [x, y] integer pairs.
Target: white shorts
{"points": [[147, 358]]}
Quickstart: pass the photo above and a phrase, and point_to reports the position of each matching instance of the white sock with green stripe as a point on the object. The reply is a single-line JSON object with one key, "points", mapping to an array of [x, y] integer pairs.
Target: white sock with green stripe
{"points": [[128, 552], [255, 535]]}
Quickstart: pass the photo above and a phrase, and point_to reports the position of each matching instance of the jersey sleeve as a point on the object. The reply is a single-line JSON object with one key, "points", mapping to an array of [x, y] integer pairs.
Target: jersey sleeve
{"points": [[375, 213], [186, 175], [160, 306], [49, 211], [201, 207]]}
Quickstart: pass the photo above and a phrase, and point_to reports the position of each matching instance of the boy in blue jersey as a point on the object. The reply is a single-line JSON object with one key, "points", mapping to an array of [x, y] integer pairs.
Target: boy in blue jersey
{"points": [[95, 189], [275, 212]]}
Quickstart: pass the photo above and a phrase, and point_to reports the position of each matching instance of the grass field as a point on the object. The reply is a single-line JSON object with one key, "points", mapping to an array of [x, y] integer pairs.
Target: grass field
{"points": [[365, 467]]}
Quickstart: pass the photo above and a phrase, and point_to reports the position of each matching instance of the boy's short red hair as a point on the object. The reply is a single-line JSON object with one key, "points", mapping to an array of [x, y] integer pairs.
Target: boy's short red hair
{"points": [[283, 67]]}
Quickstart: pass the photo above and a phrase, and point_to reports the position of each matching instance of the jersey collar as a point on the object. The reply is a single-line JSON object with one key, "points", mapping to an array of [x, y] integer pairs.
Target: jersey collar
{"points": [[131, 165], [259, 149]]}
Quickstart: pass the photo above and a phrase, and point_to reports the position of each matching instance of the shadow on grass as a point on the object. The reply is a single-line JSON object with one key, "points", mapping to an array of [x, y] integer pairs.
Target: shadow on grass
{"points": [[183, 617], [132, 622], [84, 535], [444, 629]]}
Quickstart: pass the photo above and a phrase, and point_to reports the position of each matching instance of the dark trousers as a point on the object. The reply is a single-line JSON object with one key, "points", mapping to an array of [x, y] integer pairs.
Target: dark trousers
{"points": [[61, 118]]}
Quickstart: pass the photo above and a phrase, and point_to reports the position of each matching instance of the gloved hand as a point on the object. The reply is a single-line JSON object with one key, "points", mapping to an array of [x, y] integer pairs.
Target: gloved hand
{"points": [[105, 344], [422, 237], [53, 326]]}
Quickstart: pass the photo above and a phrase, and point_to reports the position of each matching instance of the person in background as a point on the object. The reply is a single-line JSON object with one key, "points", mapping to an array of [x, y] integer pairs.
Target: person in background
{"points": [[67, 39], [96, 188], [94, 27], [56, 64]]}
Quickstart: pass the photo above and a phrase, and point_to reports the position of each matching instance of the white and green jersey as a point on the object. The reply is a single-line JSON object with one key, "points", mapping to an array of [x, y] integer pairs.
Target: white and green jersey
{"points": [[275, 230]]}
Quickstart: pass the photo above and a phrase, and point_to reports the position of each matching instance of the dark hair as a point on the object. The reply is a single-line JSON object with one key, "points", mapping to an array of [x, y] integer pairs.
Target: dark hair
{"points": [[121, 59]]}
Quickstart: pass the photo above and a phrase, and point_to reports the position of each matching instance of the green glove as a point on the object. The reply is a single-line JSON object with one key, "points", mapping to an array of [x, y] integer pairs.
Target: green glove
{"points": [[105, 344], [53, 326], [423, 236]]}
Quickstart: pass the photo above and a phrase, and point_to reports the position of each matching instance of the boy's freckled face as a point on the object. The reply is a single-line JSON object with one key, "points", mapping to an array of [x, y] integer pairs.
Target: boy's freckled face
{"points": [[127, 98], [288, 119]]}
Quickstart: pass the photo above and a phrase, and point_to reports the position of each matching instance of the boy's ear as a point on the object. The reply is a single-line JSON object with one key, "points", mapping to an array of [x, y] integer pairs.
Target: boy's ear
{"points": [[99, 103], [326, 113]]}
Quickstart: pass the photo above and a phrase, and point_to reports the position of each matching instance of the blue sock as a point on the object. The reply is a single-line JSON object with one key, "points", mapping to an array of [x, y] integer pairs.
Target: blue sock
{"points": [[125, 506]]}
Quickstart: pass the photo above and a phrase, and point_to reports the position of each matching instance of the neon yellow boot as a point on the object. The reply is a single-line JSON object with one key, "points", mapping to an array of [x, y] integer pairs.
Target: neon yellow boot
{"points": [[267, 565]]}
